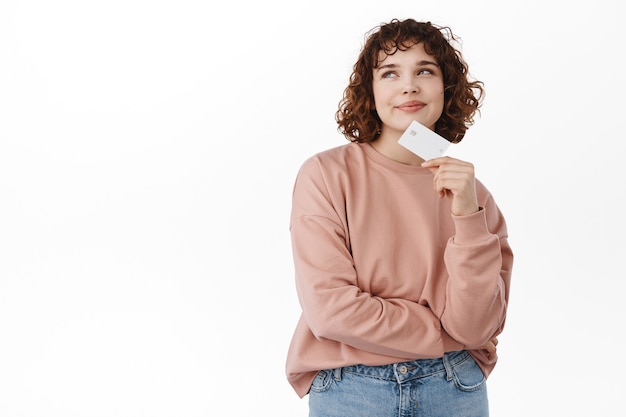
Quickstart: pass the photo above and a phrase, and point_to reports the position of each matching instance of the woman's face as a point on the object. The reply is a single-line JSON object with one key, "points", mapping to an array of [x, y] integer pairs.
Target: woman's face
{"points": [[407, 86]]}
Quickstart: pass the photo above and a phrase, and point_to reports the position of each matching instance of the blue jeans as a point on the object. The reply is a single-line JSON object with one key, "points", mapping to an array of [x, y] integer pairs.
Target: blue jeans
{"points": [[450, 386]]}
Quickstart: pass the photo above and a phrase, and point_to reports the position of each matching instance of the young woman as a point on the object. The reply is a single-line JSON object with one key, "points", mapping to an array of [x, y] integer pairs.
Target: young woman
{"points": [[402, 265]]}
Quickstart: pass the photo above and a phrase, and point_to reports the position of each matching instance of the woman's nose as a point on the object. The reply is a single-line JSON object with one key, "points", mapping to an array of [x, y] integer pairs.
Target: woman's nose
{"points": [[411, 87]]}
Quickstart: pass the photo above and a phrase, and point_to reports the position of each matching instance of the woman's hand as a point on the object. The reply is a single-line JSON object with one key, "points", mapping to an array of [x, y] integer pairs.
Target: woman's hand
{"points": [[490, 348], [454, 178]]}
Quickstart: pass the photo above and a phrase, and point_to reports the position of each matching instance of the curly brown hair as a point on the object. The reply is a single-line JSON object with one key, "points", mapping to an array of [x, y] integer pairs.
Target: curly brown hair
{"points": [[357, 118]]}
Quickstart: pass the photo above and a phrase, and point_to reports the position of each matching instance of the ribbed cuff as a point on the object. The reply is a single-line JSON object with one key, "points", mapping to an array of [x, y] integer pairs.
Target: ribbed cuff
{"points": [[471, 228]]}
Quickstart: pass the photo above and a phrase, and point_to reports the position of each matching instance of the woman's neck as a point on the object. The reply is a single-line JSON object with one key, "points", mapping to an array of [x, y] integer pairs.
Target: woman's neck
{"points": [[390, 148]]}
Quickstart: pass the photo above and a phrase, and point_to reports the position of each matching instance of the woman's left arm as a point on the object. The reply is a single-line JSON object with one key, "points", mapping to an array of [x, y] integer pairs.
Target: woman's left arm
{"points": [[478, 257]]}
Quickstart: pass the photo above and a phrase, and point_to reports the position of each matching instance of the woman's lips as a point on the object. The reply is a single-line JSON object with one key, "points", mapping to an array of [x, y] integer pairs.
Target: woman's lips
{"points": [[411, 106]]}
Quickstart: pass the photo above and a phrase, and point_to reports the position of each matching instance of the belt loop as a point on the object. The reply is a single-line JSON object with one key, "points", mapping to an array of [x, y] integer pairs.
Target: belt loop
{"points": [[448, 366], [337, 374]]}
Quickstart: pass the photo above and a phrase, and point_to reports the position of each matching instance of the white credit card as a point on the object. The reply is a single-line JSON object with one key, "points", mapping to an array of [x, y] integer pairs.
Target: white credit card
{"points": [[423, 142]]}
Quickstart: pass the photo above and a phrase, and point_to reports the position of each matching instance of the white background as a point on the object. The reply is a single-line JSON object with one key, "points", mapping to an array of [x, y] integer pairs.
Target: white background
{"points": [[147, 155]]}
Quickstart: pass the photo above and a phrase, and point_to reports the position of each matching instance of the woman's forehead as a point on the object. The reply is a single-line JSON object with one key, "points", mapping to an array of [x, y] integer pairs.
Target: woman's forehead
{"points": [[391, 50]]}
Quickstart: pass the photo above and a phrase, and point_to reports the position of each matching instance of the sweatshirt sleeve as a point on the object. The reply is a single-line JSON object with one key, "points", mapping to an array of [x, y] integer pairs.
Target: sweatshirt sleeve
{"points": [[479, 262], [333, 305]]}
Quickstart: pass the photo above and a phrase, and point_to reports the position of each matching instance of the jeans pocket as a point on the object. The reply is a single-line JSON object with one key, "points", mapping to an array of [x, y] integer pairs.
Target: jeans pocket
{"points": [[467, 375], [322, 381]]}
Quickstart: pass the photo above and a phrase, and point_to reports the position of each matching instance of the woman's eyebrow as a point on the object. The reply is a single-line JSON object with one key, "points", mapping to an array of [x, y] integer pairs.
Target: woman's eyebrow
{"points": [[426, 62], [387, 66]]}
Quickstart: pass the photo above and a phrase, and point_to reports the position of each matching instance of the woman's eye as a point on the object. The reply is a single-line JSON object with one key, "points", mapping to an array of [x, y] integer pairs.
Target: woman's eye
{"points": [[425, 72], [388, 74]]}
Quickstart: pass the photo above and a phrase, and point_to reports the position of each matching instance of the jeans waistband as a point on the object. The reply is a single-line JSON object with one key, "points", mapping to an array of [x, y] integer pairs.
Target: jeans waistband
{"points": [[404, 371]]}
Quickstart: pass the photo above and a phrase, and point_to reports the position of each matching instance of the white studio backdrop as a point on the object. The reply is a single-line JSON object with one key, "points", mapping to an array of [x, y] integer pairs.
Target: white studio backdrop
{"points": [[147, 155]]}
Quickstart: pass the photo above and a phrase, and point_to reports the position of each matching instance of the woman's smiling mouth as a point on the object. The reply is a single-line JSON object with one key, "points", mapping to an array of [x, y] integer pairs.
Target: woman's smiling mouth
{"points": [[411, 106]]}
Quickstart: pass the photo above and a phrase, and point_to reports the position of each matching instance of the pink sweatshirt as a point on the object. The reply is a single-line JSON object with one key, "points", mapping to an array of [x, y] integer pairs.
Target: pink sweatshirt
{"points": [[384, 272]]}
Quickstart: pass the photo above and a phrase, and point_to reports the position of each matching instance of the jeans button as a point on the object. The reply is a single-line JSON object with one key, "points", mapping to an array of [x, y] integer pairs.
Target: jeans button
{"points": [[403, 370]]}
